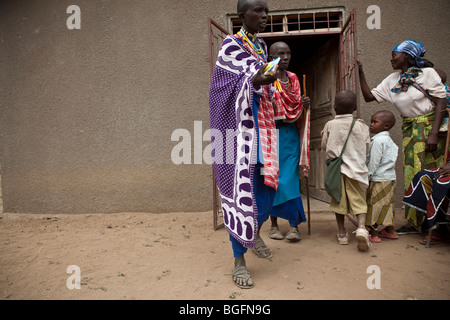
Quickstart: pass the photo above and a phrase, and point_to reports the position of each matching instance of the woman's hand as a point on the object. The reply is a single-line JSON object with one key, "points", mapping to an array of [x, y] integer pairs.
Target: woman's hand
{"points": [[306, 102], [443, 171], [431, 144], [359, 64], [260, 79]]}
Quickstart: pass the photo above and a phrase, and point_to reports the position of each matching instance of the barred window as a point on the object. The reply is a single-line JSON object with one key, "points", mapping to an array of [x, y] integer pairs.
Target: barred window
{"points": [[300, 22]]}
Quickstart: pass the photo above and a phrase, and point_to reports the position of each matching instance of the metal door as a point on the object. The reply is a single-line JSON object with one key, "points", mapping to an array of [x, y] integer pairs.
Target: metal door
{"points": [[348, 55]]}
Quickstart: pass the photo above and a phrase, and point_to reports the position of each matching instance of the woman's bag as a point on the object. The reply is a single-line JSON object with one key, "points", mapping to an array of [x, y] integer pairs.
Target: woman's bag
{"points": [[333, 172]]}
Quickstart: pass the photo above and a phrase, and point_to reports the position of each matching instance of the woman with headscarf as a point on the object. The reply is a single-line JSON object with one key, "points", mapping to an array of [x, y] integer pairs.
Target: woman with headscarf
{"points": [[416, 90]]}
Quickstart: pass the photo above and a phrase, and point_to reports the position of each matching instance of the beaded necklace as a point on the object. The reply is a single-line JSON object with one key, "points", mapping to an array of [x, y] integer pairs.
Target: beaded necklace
{"points": [[252, 41], [287, 83]]}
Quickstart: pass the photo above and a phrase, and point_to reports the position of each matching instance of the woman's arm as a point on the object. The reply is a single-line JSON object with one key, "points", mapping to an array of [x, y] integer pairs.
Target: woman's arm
{"points": [[432, 140], [444, 171], [368, 96], [260, 78]]}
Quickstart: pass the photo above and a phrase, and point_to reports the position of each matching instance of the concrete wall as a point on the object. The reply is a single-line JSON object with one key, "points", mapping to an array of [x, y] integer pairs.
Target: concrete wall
{"points": [[87, 116]]}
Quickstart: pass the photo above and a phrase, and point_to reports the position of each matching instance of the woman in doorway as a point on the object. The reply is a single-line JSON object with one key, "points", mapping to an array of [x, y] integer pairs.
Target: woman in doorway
{"points": [[289, 106], [416, 90]]}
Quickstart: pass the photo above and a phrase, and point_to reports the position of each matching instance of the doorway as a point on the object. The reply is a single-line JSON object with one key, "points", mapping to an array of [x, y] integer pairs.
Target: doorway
{"points": [[324, 48], [316, 57]]}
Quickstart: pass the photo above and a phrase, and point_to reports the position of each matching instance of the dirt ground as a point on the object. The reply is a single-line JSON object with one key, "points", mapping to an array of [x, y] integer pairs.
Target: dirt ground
{"points": [[178, 256]]}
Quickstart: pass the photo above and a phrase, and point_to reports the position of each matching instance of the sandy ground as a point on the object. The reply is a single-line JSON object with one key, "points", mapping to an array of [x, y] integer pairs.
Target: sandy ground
{"points": [[178, 256]]}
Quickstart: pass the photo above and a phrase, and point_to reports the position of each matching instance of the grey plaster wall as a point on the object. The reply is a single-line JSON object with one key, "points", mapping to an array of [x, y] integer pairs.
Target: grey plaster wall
{"points": [[87, 116]]}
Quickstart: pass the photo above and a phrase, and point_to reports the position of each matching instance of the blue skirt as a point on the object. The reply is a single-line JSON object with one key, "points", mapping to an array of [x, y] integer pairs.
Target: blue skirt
{"points": [[291, 210], [288, 202]]}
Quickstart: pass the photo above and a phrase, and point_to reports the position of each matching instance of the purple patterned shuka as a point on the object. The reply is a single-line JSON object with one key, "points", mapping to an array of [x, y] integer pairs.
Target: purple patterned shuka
{"points": [[234, 137]]}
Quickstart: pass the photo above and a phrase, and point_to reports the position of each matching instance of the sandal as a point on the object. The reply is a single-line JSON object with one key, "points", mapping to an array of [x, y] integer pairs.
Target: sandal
{"points": [[434, 240], [242, 273], [261, 249], [275, 233], [384, 234], [362, 238], [342, 239], [293, 235]]}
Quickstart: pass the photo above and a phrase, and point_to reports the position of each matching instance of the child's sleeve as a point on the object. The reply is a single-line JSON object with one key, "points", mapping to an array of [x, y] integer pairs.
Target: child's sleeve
{"points": [[368, 141], [324, 134]]}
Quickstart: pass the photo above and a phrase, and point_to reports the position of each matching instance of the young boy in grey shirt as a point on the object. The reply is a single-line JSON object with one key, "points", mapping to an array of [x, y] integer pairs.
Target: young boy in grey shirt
{"points": [[354, 172]]}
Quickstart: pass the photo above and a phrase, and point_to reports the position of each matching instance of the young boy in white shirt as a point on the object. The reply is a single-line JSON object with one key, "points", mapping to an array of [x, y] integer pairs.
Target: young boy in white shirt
{"points": [[382, 178]]}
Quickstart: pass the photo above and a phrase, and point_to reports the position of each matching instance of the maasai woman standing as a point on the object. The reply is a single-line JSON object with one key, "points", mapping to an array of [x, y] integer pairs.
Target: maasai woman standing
{"points": [[412, 90], [289, 107], [240, 104]]}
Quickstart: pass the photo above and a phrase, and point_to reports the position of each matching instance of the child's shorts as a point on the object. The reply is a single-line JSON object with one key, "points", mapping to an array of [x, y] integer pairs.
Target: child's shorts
{"points": [[353, 198]]}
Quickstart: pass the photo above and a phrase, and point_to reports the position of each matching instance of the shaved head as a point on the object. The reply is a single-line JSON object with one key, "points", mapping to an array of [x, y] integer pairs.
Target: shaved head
{"points": [[277, 46], [345, 102], [386, 117], [253, 15], [243, 5]]}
